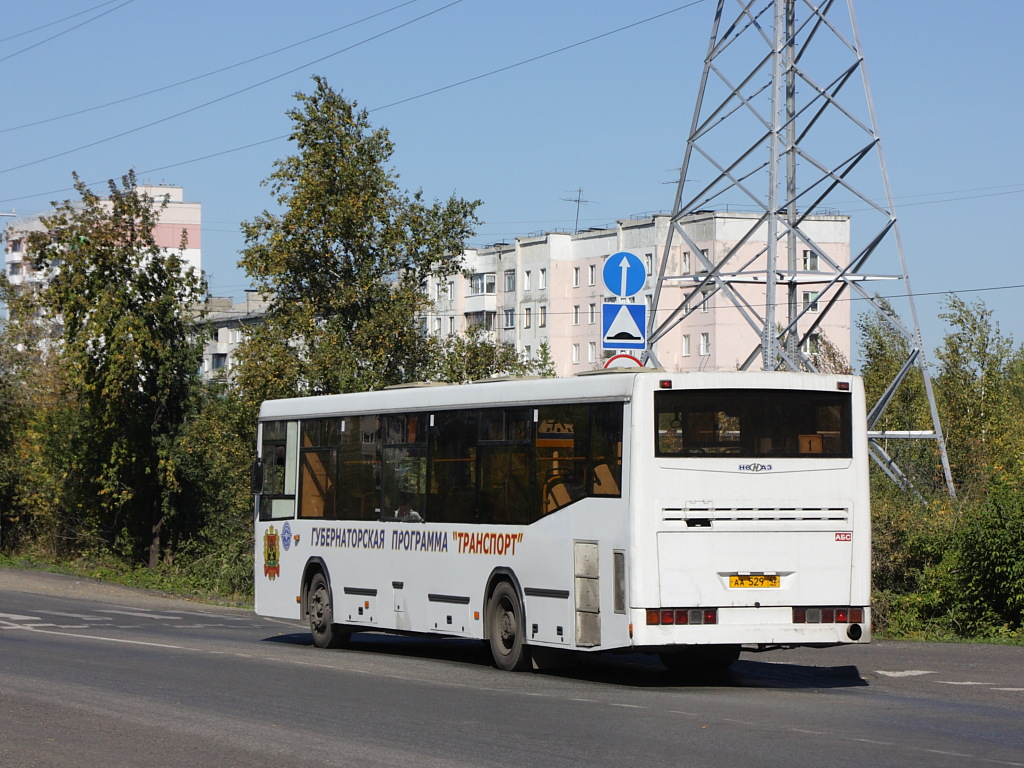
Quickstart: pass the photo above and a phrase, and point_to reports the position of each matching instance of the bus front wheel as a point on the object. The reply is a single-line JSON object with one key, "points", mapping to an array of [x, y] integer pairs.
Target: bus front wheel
{"points": [[506, 629], [326, 634]]}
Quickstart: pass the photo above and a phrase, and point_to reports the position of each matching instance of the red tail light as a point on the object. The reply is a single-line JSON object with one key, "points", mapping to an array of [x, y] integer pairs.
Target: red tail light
{"points": [[837, 615], [681, 616]]}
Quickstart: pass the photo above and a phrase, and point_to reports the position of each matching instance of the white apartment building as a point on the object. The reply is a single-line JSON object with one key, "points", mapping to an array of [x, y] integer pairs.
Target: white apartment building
{"points": [[179, 217], [227, 321], [548, 289]]}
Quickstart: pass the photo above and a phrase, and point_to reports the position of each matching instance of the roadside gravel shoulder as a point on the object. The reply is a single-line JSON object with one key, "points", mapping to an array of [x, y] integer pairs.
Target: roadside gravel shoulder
{"points": [[45, 583]]}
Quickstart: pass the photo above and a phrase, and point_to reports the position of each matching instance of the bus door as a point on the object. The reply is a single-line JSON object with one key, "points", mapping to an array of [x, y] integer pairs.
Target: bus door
{"points": [[278, 564]]}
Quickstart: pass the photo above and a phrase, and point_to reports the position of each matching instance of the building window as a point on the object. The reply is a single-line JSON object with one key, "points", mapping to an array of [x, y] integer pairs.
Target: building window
{"points": [[686, 345], [592, 275], [526, 280], [482, 283], [649, 259], [451, 326], [576, 314], [542, 321], [592, 352], [704, 303], [483, 319], [592, 316], [527, 352], [684, 266], [218, 361], [575, 277], [510, 318], [16, 246], [810, 261], [437, 325], [543, 280], [510, 280], [528, 318], [811, 301], [705, 343], [14, 268], [575, 353], [812, 344]]}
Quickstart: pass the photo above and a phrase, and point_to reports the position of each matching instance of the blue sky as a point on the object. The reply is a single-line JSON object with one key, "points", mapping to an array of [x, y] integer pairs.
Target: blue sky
{"points": [[608, 117]]}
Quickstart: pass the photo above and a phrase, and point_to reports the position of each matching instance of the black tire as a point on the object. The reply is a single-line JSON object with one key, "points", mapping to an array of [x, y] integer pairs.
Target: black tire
{"points": [[701, 660], [506, 629], [326, 634]]}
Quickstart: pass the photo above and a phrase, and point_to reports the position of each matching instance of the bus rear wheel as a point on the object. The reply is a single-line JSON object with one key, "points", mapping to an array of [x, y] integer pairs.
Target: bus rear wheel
{"points": [[326, 634], [506, 629]]}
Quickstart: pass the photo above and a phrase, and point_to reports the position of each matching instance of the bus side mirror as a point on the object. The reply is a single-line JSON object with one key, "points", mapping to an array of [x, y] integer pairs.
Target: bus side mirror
{"points": [[257, 476]]}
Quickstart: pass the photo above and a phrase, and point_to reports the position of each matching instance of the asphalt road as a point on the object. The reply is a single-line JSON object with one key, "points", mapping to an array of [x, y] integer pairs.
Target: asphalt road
{"points": [[93, 675]]}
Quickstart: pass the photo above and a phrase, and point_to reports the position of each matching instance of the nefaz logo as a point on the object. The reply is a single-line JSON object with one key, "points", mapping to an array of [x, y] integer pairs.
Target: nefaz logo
{"points": [[755, 467], [844, 536]]}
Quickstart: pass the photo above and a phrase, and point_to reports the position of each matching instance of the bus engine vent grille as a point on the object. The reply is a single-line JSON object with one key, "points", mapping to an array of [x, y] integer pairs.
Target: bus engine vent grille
{"points": [[757, 514]]}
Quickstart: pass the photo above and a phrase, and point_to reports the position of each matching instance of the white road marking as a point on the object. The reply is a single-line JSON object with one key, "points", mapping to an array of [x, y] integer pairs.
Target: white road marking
{"points": [[145, 615], [80, 616], [959, 682], [905, 673], [17, 617]]}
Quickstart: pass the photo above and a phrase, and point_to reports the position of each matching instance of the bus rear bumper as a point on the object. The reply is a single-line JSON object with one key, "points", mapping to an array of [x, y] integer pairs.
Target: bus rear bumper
{"points": [[765, 626]]}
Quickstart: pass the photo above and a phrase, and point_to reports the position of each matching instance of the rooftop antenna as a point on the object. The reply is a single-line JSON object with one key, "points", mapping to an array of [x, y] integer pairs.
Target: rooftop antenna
{"points": [[779, 93], [578, 200]]}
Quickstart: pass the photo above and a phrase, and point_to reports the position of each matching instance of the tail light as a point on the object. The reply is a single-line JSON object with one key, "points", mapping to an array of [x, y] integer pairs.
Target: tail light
{"points": [[828, 615], [681, 616]]}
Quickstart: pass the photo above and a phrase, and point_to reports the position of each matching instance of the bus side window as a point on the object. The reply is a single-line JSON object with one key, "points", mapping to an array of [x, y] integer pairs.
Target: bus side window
{"points": [[318, 472], [605, 459], [278, 452], [560, 453], [359, 468], [453, 467], [404, 468]]}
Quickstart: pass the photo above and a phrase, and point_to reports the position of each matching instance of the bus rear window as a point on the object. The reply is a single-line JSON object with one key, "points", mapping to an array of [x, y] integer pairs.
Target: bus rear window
{"points": [[753, 423]]}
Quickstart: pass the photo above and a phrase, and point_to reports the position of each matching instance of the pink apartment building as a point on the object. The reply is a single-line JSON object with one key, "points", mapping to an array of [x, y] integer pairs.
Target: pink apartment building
{"points": [[177, 218], [548, 289]]}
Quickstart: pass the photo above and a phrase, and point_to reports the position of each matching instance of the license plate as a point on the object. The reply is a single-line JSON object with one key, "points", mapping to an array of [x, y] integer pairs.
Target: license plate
{"points": [[754, 581]]}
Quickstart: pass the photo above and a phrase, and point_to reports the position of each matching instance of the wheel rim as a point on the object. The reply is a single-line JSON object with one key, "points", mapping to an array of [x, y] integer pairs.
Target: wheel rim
{"points": [[319, 610], [506, 626]]}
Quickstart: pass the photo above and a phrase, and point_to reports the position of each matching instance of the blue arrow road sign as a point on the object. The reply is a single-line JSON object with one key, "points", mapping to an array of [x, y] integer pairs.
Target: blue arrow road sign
{"points": [[624, 274]]}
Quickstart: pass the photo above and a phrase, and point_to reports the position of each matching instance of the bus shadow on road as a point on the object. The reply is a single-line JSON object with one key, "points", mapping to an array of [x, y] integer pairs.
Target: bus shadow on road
{"points": [[635, 670], [414, 646], [631, 670]]}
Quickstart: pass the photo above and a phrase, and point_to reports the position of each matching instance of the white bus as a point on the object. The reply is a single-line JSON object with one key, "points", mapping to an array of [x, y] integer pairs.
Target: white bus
{"points": [[683, 514]]}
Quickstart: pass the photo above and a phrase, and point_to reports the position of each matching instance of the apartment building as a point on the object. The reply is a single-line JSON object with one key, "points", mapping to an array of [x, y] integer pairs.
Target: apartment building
{"points": [[548, 290], [178, 218]]}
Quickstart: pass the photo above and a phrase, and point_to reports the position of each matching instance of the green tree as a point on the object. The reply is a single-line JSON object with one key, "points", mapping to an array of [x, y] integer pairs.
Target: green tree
{"points": [[979, 394], [474, 356], [129, 355], [345, 262], [213, 545]]}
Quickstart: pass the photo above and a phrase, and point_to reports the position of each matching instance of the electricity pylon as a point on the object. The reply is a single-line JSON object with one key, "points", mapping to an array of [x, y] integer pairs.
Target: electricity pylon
{"points": [[784, 89]]}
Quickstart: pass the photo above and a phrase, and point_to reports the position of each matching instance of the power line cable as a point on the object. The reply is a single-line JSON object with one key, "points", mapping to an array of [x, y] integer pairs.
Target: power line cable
{"points": [[69, 29], [52, 23], [226, 96], [375, 109], [205, 74]]}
